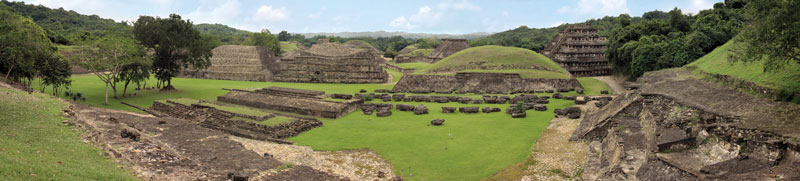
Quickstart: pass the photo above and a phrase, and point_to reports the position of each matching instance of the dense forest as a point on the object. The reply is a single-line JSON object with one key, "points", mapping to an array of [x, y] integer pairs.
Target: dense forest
{"points": [[65, 27], [672, 39]]}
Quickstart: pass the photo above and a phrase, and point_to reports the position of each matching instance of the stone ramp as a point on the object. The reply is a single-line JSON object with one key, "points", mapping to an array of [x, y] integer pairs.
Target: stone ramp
{"points": [[595, 120]]}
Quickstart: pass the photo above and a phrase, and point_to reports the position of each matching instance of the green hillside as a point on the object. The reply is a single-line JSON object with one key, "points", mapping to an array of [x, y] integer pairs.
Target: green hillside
{"points": [[717, 62], [65, 27], [288, 47], [494, 58], [419, 52], [226, 34]]}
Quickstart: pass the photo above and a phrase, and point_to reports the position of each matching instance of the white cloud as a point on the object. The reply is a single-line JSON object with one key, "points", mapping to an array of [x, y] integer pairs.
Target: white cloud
{"points": [[401, 22], [597, 8], [216, 13], [267, 13]]}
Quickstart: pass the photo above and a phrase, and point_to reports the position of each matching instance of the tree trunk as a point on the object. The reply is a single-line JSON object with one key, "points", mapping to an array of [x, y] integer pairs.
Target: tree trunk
{"points": [[125, 89], [113, 81], [9, 71], [106, 93]]}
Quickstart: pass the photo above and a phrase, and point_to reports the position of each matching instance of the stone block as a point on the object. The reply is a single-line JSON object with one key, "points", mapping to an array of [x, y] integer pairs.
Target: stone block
{"points": [[448, 109], [558, 96], [540, 107], [420, 109], [604, 92], [405, 107], [518, 115], [384, 113], [468, 109], [437, 122]]}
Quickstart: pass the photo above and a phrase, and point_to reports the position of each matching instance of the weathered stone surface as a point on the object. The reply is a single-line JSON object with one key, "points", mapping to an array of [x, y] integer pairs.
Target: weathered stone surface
{"points": [[405, 107], [518, 115], [448, 109], [342, 96], [331, 63], [580, 50], [384, 113], [468, 109], [398, 97], [600, 103], [476, 101], [579, 91], [382, 90], [549, 91], [540, 107], [480, 82], [420, 109], [574, 115], [603, 92], [299, 105], [558, 96], [437, 122], [486, 110], [542, 101]]}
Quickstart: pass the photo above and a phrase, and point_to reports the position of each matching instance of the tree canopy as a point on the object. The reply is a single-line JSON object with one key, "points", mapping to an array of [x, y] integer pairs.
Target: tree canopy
{"points": [[266, 39], [772, 32], [65, 27], [175, 43]]}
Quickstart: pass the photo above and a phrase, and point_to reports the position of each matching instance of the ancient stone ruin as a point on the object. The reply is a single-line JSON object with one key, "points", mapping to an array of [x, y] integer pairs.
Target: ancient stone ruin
{"points": [[322, 63], [448, 47], [479, 82], [236, 62], [290, 100], [328, 62], [580, 50]]}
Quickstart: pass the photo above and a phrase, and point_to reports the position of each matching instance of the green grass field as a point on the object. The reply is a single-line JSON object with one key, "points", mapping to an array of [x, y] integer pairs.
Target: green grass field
{"points": [[466, 147], [491, 55], [414, 65], [592, 86], [419, 52], [482, 144], [717, 62], [35, 145], [396, 75]]}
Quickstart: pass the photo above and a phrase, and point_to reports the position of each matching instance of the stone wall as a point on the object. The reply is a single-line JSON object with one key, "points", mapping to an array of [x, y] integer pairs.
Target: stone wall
{"points": [[448, 47], [400, 69], [236, 62], [411, 59], [477, 82], [332, 63], [298, 105], [580, 50]]}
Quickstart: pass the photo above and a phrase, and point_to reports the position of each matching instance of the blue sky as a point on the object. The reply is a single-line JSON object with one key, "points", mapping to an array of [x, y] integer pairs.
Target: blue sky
{"points": [[432, 16]]}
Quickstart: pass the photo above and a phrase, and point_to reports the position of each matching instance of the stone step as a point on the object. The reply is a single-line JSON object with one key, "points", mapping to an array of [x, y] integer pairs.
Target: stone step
{"points": [[236, 68]]}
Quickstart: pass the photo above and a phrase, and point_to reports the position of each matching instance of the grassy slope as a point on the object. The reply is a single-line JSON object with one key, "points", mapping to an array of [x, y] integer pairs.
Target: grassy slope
{"points": [[419, 52], [413, 65], [396, 75], [491, 55], [481, 145], [717, 62], [592, 86], [288, 47], [34, 144]]}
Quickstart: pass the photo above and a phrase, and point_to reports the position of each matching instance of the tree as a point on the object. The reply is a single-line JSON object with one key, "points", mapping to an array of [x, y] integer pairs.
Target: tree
{"points": [[284, 36], [26, 52], [266, 39], [175, 43], [107, 57], [772, 32], [135, 72]]}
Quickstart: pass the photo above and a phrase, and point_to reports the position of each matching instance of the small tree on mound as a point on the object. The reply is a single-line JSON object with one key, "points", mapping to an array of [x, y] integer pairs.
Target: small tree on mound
{"points": [[176, 45], [266, 39]]}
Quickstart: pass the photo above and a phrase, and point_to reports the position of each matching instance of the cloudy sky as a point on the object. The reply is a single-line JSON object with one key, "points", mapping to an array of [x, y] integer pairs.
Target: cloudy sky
{"points": [[431, 16]]}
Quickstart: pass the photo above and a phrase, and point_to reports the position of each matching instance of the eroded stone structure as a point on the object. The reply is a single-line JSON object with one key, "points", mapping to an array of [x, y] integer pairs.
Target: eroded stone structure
{"points": [[290, 100], [580, 50], [322, 63], [448, 47], [332, 63], [480, 82], [236, 62]]}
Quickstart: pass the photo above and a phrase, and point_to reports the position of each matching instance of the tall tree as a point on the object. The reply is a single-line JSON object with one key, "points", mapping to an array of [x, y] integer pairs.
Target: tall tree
{"points": [[107, 57], [266, 39], [136, 72], [284, 36], [772, 32], [176, 45]]}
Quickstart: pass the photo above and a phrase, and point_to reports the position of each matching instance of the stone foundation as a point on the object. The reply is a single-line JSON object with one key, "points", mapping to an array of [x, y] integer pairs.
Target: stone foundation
{"points": [[481, 83], [314, 106]]}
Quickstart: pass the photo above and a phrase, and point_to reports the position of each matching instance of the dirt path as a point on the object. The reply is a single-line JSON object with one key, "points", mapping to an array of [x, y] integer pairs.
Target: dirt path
{"points": [[353, 164], [614, 83]]}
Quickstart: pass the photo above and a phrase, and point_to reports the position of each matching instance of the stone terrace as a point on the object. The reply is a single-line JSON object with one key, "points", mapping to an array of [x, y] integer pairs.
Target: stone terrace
{"points": [[448, 47], [580, 50], [236, 62], [293, 104], [480, 82]]}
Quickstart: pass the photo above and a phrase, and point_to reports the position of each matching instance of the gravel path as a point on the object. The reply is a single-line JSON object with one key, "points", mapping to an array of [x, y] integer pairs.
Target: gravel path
{"points": [[353, 164]]}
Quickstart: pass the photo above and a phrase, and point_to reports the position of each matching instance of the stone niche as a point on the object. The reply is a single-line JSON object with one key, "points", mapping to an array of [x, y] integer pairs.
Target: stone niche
{"points": [[479, 82], [297, 101], [580, 50], [332, 63]]}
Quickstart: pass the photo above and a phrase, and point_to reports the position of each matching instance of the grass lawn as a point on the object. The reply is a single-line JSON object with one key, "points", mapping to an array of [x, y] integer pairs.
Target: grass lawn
{"points": [[413, 65], [717, 62], [482, 144], [396, 75], [419, 52], [592, 86], [35, 145], [526, 73], [202, 89]]}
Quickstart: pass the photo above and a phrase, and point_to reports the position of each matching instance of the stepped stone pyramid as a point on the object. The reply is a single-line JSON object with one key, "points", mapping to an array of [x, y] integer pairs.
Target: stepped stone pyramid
{"points": [[580, 50], [327, 62], [236, 62], [448, 47]]}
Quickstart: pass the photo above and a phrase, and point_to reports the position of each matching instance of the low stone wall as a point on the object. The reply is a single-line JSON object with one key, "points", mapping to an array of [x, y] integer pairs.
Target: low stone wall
{"points": [[400, 69], [304, 106], [411, 59], [481, 83]]}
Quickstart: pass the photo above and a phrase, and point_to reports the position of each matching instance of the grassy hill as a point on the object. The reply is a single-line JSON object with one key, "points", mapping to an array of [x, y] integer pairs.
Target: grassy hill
{"points": [[717, 62], [35, 145], [65, 26], [288, 47], [419, 52], [226, 34], [497, 59]]}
